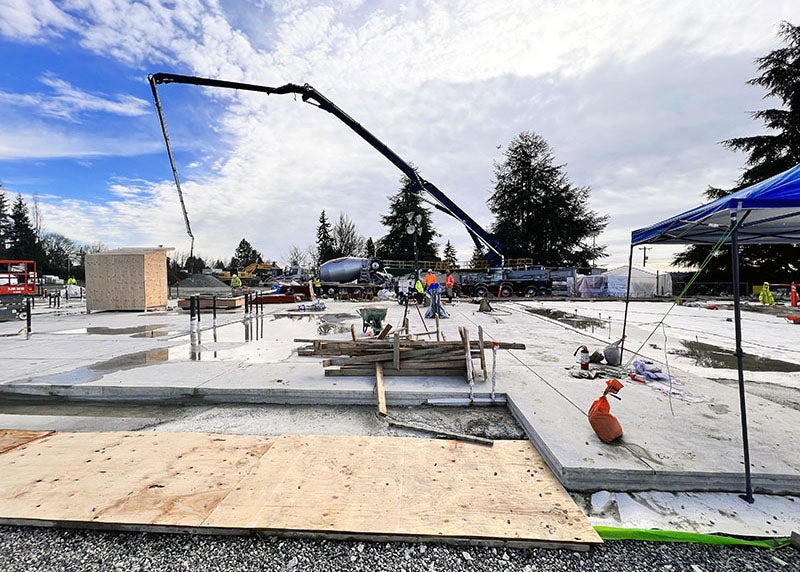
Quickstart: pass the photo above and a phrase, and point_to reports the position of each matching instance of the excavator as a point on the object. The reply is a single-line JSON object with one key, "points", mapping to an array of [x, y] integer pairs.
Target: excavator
{"points": [[484, 241]]}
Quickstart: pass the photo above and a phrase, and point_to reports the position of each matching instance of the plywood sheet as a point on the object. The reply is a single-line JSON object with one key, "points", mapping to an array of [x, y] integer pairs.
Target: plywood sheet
{"points": [[12, 439], [370, 487]]}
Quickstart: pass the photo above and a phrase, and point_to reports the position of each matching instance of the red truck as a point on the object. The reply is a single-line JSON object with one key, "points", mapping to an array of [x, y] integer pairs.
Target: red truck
{"points": [[17, 281]]}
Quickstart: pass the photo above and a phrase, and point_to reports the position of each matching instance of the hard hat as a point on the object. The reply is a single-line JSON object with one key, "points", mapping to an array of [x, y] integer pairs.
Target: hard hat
{"points": [[430, 270], [766, 283]]}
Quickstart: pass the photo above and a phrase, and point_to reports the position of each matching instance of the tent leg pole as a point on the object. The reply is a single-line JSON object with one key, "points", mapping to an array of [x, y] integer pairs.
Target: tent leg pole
{"points": [[627, 301], [737, 319]]}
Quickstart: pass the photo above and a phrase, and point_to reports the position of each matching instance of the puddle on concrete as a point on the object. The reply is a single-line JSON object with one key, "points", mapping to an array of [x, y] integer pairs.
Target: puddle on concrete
{"points": [[256, 340], [146, 331], [581, 322], [707, 355]]}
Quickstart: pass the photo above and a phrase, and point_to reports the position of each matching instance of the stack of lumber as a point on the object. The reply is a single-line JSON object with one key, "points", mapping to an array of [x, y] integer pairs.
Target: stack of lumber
{"points": [[400, 356]]}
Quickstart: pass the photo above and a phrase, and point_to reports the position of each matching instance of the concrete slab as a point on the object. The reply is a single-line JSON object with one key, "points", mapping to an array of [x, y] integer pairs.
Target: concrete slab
{"points": [[689, 440]]}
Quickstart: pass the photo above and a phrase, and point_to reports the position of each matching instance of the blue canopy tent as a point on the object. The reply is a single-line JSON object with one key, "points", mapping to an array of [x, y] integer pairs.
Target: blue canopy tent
{"points": [[765, 213]]}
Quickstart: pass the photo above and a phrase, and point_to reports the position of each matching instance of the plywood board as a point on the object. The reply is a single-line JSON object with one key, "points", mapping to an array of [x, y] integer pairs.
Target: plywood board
{"points": [[370, 487], [13, 439]]}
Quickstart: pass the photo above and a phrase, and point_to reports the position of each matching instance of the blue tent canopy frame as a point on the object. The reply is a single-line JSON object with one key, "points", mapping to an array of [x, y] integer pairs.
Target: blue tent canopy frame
{"points": [[765, 213]]}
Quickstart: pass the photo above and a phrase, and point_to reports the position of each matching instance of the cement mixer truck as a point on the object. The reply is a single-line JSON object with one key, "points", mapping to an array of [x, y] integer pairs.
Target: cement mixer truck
{"points": [[353, 276]]}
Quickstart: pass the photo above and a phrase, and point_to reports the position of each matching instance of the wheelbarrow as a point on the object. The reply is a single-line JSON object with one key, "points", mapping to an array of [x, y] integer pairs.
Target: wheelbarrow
{"points": [[372, 318]]}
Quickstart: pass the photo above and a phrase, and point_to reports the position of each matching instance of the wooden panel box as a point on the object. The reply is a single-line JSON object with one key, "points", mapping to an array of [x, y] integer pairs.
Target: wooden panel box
{"points": [[126, 279]]}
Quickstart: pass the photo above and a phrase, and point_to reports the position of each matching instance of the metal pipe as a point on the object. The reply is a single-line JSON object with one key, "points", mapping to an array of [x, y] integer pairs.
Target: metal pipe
{"points": [[28, 316], [625, 317], [737, 320]]}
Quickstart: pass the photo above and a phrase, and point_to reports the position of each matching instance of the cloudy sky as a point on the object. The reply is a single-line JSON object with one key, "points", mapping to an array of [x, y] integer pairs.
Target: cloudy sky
{"points": [[634, 98]]}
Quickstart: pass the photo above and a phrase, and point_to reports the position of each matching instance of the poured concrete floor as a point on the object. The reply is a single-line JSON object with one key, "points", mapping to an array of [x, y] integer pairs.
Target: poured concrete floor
{"points": [[683, 437]]}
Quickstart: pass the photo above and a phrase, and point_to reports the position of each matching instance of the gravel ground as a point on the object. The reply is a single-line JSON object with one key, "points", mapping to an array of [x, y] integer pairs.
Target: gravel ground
{"points": [[31, 549]]}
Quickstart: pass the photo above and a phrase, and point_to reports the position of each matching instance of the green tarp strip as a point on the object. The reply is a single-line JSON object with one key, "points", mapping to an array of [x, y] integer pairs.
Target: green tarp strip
{"points": [[611, 533]]}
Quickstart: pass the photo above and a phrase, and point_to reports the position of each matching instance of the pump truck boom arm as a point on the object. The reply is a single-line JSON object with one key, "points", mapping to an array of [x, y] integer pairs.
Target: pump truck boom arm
{"points": [[484, 241]]}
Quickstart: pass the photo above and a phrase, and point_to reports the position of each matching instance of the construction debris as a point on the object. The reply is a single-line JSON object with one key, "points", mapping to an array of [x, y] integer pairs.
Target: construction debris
{"points": [[399, 356]]}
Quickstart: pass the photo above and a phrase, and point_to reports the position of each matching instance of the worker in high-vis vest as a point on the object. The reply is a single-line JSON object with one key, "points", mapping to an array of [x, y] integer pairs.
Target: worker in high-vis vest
{"points": [[236, 282], [766, 297]]}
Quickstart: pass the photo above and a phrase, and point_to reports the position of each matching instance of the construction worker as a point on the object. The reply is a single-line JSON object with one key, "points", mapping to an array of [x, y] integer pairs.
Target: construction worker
{"points": [[430, 279], [420, 288], [449, 284], [236, 282], [766, 297], [71, 281]]}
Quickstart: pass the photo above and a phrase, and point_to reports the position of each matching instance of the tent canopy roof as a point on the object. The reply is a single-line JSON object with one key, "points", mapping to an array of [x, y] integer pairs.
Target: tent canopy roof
{"points": [[769, 212]]}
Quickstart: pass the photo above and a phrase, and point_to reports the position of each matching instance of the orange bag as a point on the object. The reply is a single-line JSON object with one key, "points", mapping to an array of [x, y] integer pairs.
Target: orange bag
{"points": [[604, 424]]}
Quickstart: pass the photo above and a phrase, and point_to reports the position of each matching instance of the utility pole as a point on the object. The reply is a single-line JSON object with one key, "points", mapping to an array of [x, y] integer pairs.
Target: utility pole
{"points": [[644, 254]]}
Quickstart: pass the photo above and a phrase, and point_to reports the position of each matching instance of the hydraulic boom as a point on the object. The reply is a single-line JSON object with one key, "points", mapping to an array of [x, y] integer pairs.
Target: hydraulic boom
{"points": [[484, 241]]}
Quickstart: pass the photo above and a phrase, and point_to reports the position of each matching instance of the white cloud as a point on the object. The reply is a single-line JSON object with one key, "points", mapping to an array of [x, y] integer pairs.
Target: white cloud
{"points": [[68, 102], [33, 20], [634, 97], [33, 141]]}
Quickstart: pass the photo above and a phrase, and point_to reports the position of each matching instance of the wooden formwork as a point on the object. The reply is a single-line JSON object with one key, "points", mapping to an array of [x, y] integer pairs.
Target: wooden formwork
{"points": [[126, 279]]}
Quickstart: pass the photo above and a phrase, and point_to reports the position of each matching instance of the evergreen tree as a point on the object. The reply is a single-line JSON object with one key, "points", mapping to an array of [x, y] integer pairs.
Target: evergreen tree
{"points": [[23, 243], [325, 250], [370, 248], [768, 155], [346, 240], [450, 256], [5, 223], [477, 260], [539, 214], [245, 255], [397, 244]]}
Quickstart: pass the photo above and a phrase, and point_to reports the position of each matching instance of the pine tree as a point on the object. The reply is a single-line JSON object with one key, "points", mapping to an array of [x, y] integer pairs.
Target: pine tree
{"points": [[539, 214], [477, 260], [325, 250], [23, 243], [768, 155], [370, 248], [398, 244], [245, 255], [450, 256]]}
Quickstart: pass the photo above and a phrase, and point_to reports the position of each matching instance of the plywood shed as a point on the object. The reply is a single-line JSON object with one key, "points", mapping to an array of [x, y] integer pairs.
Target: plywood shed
{"points": [[126, 279]]}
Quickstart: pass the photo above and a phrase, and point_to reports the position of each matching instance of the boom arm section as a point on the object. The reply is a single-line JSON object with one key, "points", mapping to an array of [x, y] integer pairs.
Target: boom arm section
{"points": [[484, 241]]}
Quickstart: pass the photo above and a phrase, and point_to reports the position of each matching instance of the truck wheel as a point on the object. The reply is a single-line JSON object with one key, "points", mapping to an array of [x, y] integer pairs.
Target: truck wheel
{"points": [[331, 291], [22, 315], [531, 291], [481, 291], [506, 291]]}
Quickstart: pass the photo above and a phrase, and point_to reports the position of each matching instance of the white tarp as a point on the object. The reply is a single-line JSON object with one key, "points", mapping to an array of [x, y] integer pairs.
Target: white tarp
{"points": [[644, 284]]}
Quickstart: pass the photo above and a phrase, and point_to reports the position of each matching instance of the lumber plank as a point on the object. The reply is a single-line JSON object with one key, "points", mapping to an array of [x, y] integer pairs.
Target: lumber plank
{"points": [[440, 432], [385, 331], [396, 351], [381, 389], [391, 372], [482, 355]]}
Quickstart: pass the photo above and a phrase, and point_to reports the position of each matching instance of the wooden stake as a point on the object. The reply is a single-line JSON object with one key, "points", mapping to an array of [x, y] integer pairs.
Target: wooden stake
{"points": [[381, 390], [353, 331], [385, 331], [396, 351], [438, 332], [483, 355]]}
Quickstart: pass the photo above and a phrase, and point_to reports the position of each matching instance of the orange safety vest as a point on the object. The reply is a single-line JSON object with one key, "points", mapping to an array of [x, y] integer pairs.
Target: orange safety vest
{"points": [[429, 279], [449, 281]]}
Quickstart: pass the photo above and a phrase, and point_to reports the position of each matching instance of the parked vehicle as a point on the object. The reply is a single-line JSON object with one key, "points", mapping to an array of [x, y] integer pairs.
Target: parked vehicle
{"points": [[505, 282], [17, 282], [353, 276]]}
